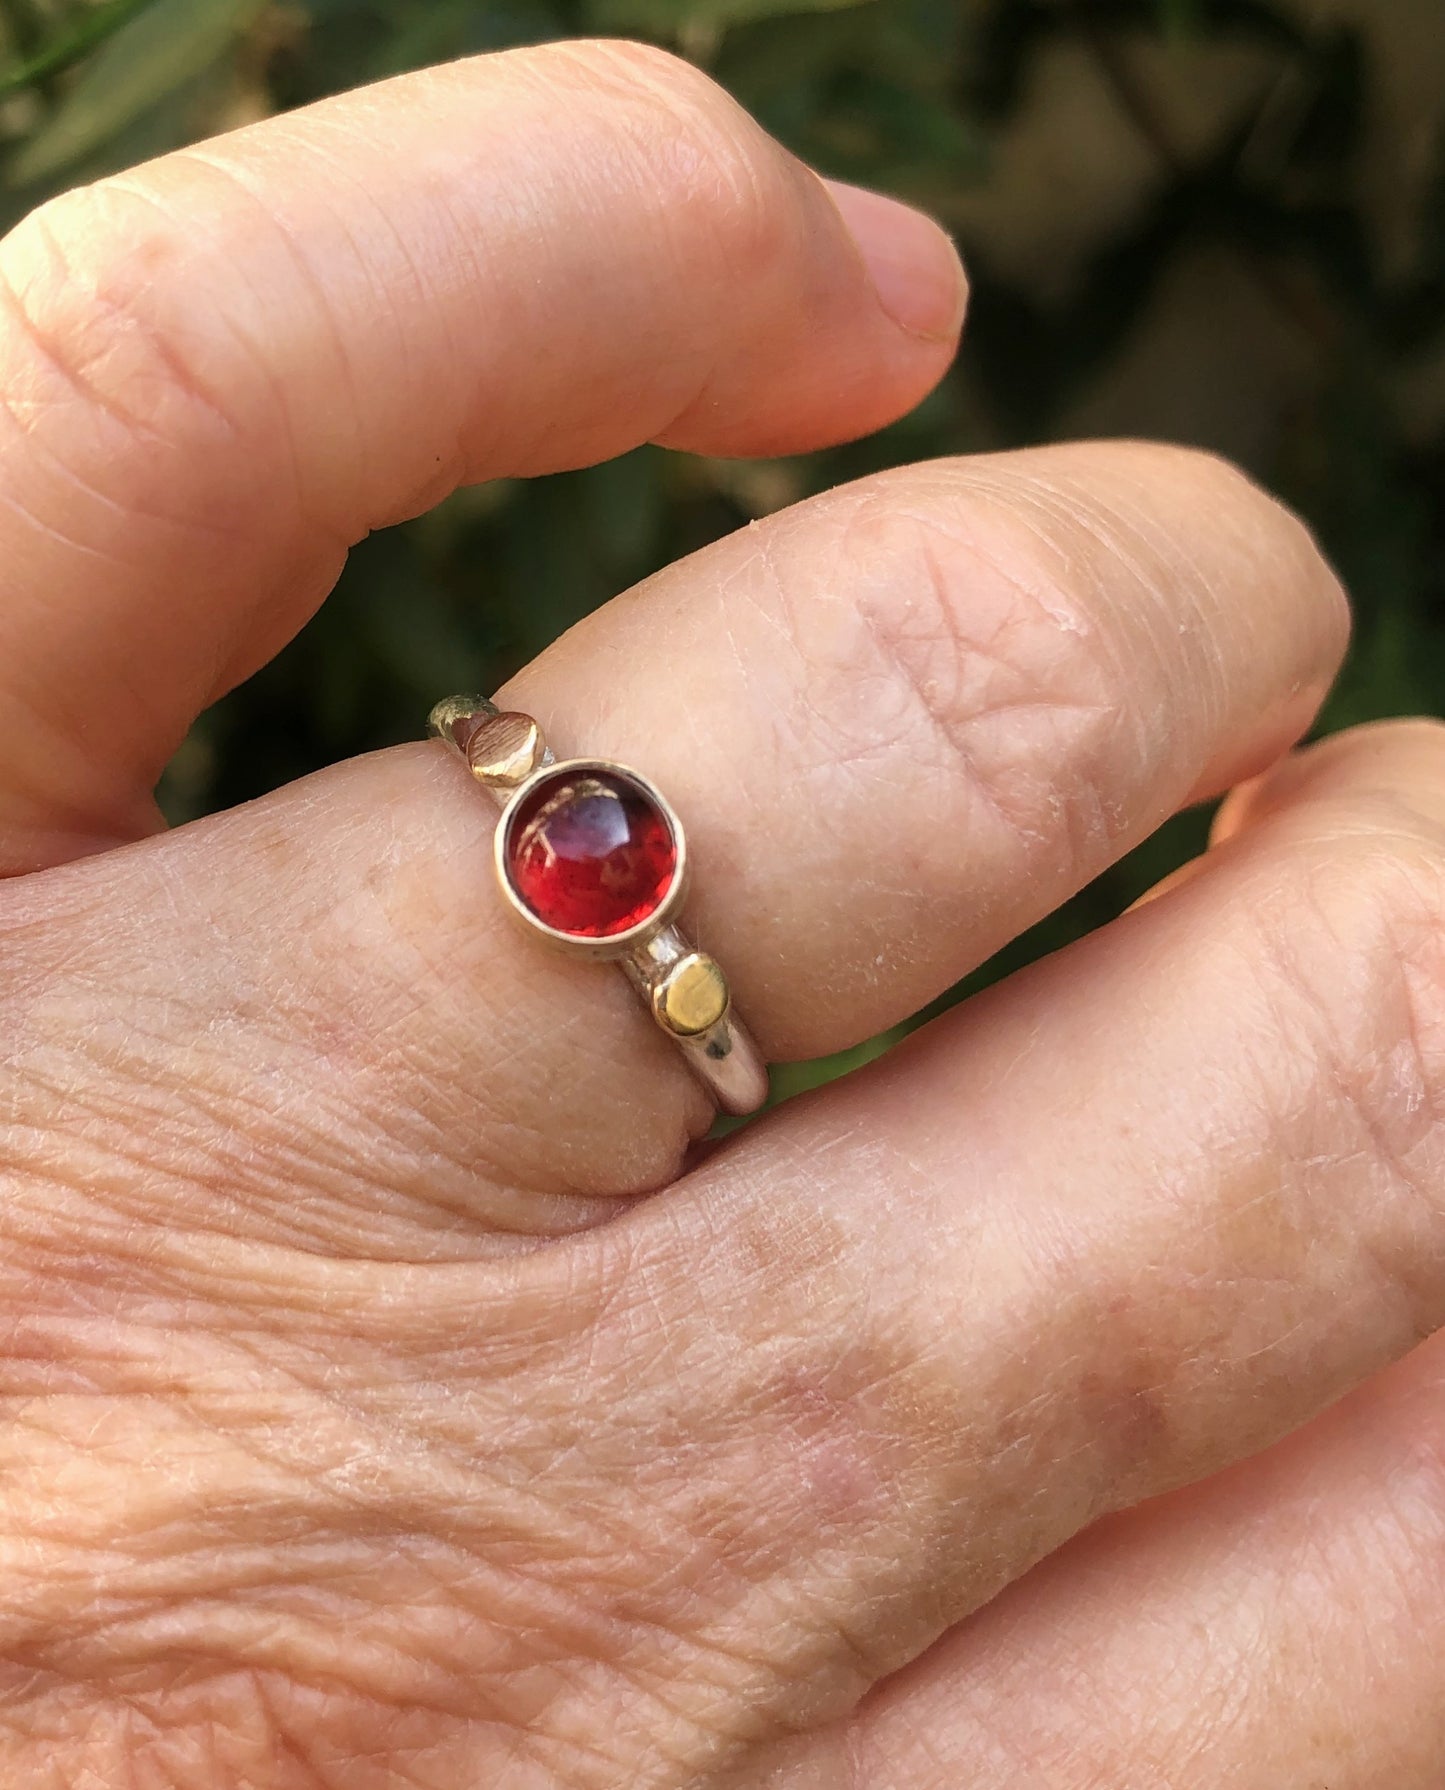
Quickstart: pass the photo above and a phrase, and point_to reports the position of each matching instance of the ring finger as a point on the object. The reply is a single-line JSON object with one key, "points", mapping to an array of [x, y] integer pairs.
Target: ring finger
{"points": [[918, 713]]}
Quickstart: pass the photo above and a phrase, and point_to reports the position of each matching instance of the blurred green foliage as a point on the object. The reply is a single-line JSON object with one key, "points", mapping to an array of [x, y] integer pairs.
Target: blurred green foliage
{"points": [[1220, 220]]}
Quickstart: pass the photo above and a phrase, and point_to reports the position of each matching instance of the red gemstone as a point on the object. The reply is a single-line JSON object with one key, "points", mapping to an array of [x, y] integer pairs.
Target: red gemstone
{"points": [[590, 852]]}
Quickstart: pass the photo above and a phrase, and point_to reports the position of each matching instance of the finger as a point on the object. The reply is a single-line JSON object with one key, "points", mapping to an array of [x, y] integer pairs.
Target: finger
{"points": [[219, 371], [1386, 764], [1130, 1217], [1279, 1624], [1282, 787], [918, 714]]}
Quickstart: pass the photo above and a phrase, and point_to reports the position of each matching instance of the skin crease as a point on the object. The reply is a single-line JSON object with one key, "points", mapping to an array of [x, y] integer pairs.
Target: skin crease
{"points": [[1021, 1413]]}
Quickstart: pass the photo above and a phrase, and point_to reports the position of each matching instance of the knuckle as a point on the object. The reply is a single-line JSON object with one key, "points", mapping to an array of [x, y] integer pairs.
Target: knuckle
{"points": [[725, 180], [137, 363], [658, 87], [1354, 942], [613, 60], [972, 655], [97, 286]]}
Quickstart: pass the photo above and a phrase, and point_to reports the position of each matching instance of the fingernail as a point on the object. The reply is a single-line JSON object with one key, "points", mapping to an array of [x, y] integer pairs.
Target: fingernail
{"points": [[913, 264]]}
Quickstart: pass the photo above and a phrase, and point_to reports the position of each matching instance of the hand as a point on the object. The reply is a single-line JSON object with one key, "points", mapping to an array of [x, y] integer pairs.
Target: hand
{"points": [[364, 1425]]}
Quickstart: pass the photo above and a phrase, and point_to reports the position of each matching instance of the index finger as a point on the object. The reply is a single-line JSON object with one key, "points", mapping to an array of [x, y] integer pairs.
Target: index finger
{"points": [[219, 371]]}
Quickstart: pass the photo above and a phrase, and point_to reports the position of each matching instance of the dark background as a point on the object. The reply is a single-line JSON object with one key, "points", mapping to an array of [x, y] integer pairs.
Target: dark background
{"points": [[1219, 221]]}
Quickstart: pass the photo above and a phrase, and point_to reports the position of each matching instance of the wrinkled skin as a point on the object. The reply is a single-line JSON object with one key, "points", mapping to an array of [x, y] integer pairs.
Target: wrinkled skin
{"points": [[393, 1397]]}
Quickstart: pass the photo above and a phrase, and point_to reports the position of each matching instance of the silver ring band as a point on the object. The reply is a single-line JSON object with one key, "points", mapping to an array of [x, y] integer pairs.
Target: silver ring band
{"points": [[592, 857]]}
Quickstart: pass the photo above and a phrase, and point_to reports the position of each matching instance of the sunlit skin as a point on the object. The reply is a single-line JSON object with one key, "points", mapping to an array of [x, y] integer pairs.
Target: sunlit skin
{"points": [[394, 1397]]}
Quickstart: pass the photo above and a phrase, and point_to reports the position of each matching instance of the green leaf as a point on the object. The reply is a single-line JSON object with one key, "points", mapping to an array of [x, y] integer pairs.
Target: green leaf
{"points": [[167, 44], [46, 58]]}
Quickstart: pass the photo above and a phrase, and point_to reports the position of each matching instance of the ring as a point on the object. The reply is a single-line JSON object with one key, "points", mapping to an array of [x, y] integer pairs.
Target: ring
{"points": [[592, 857]]}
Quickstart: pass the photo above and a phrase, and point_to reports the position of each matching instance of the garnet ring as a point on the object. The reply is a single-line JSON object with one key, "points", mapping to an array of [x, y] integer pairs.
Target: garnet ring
{"points": [[591, 857]]}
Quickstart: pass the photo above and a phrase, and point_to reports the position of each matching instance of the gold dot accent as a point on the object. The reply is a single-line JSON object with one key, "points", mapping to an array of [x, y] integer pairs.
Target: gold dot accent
{"points": [[504, 750], [692, 997]]}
